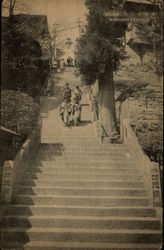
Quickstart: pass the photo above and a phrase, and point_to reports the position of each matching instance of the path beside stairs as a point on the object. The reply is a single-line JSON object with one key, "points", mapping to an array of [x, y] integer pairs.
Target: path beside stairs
{"points": [[79, 194]]}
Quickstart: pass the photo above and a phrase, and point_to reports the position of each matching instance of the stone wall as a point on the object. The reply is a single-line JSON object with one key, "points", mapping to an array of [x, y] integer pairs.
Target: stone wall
{"points": [[144, 89], [13, 170], [150, 170]]}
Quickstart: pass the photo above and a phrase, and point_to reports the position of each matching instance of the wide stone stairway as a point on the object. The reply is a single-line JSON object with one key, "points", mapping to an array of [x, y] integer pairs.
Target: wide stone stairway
{"points": [[80, 194]]}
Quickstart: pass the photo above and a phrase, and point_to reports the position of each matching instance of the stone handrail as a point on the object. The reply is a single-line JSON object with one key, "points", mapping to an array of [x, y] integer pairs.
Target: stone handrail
{"points": [[100, 131], [95, 121], [149, 170], [13, 170], [43, 89]]}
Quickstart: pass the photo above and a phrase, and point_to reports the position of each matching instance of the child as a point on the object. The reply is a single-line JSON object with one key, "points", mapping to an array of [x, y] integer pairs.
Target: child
{"points": [[65, 112]]}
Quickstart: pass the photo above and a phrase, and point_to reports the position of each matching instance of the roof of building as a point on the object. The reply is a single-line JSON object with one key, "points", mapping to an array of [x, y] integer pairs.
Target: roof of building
{"points": [[36, 25], [31, 26], [140, 5], [8, 134]]}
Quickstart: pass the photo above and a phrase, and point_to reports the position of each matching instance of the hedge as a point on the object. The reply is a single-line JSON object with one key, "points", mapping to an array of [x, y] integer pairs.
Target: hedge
{"points": [[18, 112], [150, 137]]}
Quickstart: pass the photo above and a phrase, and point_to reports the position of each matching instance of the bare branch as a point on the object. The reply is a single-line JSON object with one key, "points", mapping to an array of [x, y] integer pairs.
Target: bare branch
{"points": [[13, 3]]}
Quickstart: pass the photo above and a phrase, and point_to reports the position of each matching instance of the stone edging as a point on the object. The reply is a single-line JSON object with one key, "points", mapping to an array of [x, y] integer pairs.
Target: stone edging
{"points": [[149, 170], [95, 120], [14, 169]]}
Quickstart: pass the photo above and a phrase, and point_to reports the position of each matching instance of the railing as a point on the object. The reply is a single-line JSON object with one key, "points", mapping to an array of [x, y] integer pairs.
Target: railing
{"points": [[99, 130], [43, 88], [10, 142], [149, 170], [13, 170]]}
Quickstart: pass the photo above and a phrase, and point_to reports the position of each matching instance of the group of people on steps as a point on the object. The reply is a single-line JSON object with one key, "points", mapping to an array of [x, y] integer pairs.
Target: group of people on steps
{"points": [[70, 109]]}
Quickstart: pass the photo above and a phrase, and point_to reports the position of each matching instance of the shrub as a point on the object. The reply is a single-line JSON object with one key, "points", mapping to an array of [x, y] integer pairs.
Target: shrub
{"points": [[149, 134], [18, 112], [23, 69]]}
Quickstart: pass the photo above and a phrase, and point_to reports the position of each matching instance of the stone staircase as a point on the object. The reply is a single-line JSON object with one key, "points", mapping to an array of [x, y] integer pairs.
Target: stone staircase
{"points": [[80, 194]]}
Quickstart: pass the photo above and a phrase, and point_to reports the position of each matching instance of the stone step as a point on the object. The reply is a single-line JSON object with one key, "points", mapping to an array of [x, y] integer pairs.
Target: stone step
{"points": [[88, 146], [67, 130], [80, 194], [80, 183], [61, 169], [87, 152], [60, 129], [54, 210], [50, 139], [82, 191], [56, 245], [84, 161], [91, 157], [80, 235], [120, 146], [70, 137], [85, 122], [51, 160], [70, 140], [90, 165], [80, 200], [79, 148], [92, 222], [72, 134], [77, 152], [102, 152], [77, 176]]}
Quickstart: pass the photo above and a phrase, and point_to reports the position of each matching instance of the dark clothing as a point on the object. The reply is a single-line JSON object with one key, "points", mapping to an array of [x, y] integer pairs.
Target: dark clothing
{"points": [[94, 107], [77, 95], [67, 94]]}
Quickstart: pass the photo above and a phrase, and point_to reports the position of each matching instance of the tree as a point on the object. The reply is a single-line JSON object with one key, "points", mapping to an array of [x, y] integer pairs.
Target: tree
{"points": [[13, 6], [11, 9], [10, 4], [98, 54], [23, 68], [149, 33]]}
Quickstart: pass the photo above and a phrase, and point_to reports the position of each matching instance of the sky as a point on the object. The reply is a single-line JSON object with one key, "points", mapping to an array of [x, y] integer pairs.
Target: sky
{"points": [[65, 12]]}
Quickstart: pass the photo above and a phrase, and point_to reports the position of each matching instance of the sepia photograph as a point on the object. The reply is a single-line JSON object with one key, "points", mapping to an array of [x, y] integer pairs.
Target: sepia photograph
{"points": [[81, 133]]}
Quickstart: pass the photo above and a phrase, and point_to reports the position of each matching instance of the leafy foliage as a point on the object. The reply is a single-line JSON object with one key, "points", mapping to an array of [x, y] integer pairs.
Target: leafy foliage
{"points": [[150, 136], [23, 68], [98, 48], [149, 33], [18, 112]]}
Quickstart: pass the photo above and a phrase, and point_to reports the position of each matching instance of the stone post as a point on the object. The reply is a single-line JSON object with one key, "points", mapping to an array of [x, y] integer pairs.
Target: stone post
{"points": [[156, 185], [7, 182]]}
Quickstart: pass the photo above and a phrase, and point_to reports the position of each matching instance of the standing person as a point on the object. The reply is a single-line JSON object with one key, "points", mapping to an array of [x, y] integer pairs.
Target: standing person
{"points": [[67, 92], [65, 112], [94, 108], [77, 93], [62, 65], [76, 111], [50, 87], [54, 67]]}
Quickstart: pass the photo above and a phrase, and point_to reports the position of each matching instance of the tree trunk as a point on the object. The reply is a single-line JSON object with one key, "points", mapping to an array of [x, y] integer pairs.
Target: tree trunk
{"points": [[11, 8], [107, 112]]}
